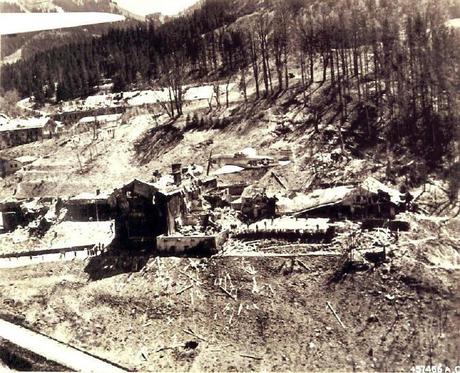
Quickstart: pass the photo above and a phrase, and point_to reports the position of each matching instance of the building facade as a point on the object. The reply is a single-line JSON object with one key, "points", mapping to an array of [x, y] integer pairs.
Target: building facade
{"points": [[9, 166]]}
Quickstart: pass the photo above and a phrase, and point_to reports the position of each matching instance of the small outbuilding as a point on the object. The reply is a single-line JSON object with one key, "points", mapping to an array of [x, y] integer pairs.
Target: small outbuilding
{"points": [[88, 207], [9, 166], [11, 216]]}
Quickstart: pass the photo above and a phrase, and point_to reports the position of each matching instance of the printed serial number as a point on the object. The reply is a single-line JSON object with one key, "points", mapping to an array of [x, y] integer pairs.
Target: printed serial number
{"points": [[434, 369]]}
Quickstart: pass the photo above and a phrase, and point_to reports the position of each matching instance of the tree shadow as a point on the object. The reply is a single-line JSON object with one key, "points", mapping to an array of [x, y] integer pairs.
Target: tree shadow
{"points": [[123, 259], [114, 262], [156, 142], [344, 269]]}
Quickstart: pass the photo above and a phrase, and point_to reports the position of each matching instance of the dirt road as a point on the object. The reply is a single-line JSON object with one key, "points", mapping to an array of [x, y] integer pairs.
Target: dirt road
{"points": [[53, 350]]}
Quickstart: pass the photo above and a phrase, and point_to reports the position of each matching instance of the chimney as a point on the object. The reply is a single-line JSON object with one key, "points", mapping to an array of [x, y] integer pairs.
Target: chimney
{"points": [[177, 178], [176, 169]]}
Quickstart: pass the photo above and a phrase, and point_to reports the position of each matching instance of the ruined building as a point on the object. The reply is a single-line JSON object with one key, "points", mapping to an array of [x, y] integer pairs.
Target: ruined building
{"points": [[141, 212], [369, 199]]}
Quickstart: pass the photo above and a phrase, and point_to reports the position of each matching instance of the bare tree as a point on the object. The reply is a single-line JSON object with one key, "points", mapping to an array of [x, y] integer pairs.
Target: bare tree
{"points": [[254, 57], [173, 78]]}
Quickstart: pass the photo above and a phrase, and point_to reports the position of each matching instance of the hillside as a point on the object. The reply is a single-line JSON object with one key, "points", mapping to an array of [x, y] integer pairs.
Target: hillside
{"points": [[25, 46], [393, 88], [332, 95]]}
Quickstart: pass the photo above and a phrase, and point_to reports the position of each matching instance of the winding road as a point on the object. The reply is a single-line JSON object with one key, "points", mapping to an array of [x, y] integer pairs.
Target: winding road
{"points": [[53, 350]]}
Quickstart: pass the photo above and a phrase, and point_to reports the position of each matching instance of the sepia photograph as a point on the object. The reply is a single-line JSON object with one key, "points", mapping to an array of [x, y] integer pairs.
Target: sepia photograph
{"points": [[230, 186]]}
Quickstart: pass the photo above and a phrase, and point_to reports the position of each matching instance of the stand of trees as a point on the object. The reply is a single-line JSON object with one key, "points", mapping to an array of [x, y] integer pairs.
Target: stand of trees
{"points": [[394, 63]]}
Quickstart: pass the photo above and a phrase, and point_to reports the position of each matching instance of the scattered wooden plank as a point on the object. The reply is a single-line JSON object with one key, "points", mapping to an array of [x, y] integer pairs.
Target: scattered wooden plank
{"points": [[303, 265], [230, 280], [335, 315], [226, 292], [164, 348], [184, 289], [190, 277], [255, 288], [251, 357], [277, 178]]}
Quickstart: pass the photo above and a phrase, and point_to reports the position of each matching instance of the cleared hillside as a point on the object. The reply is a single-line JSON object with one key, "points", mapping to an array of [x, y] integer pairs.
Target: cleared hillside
{"points": [[395, 317]]}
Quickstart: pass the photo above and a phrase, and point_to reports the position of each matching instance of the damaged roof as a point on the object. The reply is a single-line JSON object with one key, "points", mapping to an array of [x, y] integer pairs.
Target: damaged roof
{"points": [[165, 185], [89, 197], [335, 195], [318, 198], [100, 118], [374, 186]]}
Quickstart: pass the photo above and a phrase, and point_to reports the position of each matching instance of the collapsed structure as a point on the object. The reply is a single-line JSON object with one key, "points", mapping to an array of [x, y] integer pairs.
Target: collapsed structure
{"points": [[369, 199], [167, 215], [186, 212]]}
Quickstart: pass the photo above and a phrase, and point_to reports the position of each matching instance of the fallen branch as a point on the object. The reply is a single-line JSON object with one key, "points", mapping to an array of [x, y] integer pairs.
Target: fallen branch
{"points": [[250, 271], [335, 315], [184, 289], [251, 356], [193, 334]]}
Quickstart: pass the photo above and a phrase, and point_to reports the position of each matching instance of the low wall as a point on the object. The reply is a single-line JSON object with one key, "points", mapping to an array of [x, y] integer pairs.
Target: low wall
{"points": [[191, 245], [45, 252]]}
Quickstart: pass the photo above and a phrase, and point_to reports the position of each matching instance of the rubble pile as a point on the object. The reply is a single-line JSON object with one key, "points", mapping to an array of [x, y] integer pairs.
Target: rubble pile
{"points": [[363, 247], [42, 215], [249, 207]]}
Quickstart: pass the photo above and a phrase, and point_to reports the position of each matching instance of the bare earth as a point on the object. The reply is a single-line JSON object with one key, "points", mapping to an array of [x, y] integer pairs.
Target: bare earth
{"points": [[272, 314]]}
